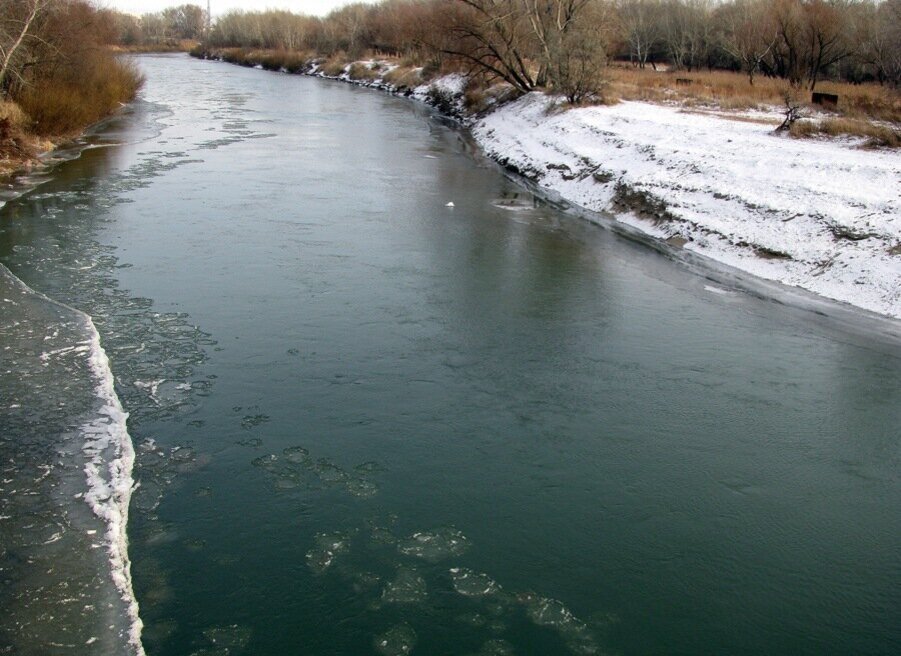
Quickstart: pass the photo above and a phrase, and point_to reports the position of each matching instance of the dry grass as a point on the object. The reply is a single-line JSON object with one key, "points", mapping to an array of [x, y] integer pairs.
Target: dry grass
{"points": [[877, 136], [335, 65], [12, 116], [404, 77], [74, 97], [363, 71], [732, 91], [16, 145], [291, 61]]}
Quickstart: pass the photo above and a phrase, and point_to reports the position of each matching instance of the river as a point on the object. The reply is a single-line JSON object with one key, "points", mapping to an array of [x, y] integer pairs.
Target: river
{"points": [[365, 421]]}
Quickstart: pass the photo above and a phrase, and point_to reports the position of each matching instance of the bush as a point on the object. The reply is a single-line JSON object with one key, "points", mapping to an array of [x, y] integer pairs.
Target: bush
{"points": [[75, 95]]}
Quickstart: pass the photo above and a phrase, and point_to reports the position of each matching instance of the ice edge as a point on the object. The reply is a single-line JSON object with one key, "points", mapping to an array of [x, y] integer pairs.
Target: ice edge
{"points": [[110, 499]]}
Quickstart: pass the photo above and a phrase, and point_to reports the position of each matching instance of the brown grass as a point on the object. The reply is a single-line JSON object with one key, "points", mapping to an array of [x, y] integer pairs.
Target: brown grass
{"points": [[335, 65], [403, 77], [72, 98], [291, 61], [363, 71], [877, 136], [732, 91]]}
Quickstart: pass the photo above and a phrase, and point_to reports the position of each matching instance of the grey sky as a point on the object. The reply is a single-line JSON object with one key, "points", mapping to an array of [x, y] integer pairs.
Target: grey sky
{"points": [[318, 7]]}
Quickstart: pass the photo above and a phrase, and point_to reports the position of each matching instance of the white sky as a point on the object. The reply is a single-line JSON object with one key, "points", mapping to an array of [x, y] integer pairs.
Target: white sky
{"points": [[317, 7]]}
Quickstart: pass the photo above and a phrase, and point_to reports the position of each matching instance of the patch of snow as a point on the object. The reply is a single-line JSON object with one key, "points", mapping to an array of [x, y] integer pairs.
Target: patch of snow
{"points": [[820, 215]]}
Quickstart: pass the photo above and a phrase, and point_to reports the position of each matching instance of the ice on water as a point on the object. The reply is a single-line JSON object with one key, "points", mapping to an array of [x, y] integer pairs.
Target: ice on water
{"points": [[408, 587], [327, 548], [399, 640], [435, 545], [296, 467], [552, 613], [473, 584]]}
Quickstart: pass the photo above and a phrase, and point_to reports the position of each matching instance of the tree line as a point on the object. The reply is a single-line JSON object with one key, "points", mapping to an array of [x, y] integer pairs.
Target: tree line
{"points": [[566, 43]]}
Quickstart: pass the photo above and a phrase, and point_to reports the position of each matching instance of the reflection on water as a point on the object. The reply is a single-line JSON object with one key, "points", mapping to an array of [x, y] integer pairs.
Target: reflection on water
{"points": [[366, 422]]}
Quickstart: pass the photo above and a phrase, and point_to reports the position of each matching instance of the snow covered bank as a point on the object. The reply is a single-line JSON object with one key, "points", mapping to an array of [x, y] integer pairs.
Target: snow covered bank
{"points": [[821, 215]]}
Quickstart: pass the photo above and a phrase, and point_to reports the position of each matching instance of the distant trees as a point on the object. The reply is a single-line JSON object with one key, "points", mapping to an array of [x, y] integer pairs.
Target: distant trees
{"points": [[183, 22], [565, 44]]}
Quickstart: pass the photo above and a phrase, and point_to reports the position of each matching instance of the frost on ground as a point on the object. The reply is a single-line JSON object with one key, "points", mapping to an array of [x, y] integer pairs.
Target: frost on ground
{"points": [[821, 215]]}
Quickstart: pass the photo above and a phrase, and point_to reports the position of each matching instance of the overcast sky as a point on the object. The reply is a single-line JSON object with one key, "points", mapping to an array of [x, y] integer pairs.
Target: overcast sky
{"points": [[319, 7]]}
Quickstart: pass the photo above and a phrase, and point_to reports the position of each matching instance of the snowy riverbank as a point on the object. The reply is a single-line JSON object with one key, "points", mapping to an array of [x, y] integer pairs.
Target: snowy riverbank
{"points": [[821, 215]]}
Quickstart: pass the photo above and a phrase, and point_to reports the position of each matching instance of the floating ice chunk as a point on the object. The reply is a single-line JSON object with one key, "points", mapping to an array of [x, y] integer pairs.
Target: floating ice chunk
{"points": [[396, 641], [473, 584], [361, 488], [287, 481], [296, 455], [408, 587], [435, 545], [252, 421], [450, 204], [552, 613], [328, 546], [265, 462], [368, 467], [382, 535], [328, 472]]}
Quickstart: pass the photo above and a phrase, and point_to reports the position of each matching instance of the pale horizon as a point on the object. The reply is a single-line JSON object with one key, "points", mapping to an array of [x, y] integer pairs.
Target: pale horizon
{"points": [[219, 7]]}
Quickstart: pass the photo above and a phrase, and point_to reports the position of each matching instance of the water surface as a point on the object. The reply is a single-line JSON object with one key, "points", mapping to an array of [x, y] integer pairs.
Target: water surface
{"points": [[366, 422]]}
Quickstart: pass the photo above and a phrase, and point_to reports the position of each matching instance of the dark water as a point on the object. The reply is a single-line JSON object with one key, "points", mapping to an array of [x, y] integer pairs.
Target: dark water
{"points": [[366, 422]]}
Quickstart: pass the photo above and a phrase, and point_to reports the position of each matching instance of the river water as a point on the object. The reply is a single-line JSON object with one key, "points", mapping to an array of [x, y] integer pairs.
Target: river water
{"points": [[366, 422]]}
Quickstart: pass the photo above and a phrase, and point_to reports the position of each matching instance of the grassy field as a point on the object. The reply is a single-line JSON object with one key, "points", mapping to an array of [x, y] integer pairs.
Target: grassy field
{"points": [[733, 91]]}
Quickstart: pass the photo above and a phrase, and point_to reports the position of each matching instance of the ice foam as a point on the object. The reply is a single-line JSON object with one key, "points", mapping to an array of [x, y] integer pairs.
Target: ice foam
{"points": [[109, 498]]}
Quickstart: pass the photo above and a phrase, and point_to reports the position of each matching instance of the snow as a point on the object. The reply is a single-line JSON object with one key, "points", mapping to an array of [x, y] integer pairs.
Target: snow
{"points": [[817, 214], [823, 215]]}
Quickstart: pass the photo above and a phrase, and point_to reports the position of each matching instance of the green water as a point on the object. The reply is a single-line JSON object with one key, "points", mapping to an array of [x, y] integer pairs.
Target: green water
{"points": [[366, 422]]}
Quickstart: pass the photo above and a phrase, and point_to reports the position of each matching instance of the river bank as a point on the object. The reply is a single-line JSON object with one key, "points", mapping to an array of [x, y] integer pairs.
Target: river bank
{"points": [[818, 214]]}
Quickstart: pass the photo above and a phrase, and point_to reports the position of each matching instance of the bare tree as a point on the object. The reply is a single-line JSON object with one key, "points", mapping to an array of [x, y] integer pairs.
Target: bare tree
{"points": [[749, 34], [827, 35], [19, 26], [641, 28], [494, 36]]}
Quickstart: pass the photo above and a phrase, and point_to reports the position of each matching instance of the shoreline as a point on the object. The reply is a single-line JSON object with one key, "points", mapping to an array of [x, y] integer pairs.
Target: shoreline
{"points": [[811, 216]]}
